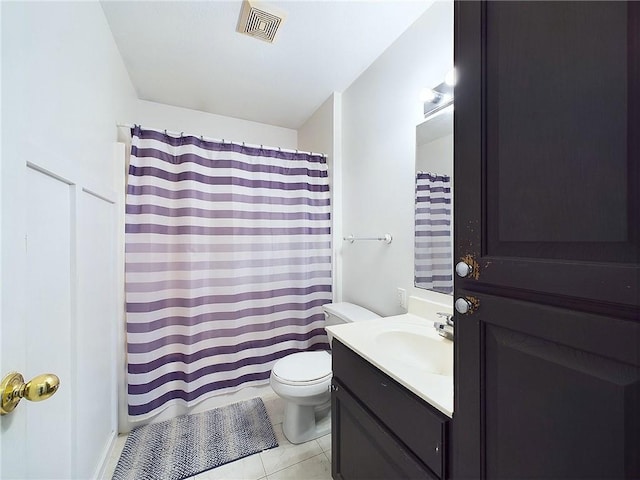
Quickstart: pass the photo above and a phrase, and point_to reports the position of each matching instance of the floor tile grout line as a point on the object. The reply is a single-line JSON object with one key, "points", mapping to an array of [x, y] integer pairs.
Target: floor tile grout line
{"points": [[264, 469], [297, 463]]}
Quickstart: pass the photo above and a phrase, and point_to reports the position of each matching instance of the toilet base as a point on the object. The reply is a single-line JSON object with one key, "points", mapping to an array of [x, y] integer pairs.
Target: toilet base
{"points": [[303, 423]]}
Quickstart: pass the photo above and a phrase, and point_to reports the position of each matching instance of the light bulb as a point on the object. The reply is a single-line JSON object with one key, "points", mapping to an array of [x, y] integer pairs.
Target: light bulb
{"points": [[427, 95], [450, 77]]}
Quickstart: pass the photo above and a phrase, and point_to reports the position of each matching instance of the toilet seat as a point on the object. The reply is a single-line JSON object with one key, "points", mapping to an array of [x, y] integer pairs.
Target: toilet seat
{"points": [[303, 368]]}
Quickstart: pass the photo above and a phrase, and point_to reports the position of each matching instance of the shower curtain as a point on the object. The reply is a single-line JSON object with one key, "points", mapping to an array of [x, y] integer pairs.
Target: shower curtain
{"points": [[433, 239], [228, 262]]}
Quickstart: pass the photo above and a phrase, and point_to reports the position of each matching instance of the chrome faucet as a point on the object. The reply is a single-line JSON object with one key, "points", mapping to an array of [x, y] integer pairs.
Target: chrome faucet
{"points": [[444, 329]]}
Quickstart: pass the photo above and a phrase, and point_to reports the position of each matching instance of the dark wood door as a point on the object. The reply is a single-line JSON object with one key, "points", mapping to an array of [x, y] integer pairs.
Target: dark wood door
{"points": [[547, 209]]}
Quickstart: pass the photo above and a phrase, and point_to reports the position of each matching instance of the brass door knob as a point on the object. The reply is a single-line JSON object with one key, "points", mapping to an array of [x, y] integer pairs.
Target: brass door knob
{"points": [[13, 389]]}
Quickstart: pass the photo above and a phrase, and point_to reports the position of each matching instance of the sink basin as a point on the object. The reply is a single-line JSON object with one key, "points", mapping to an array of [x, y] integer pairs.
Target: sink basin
{"points": [[430, 353], [408, 349]]}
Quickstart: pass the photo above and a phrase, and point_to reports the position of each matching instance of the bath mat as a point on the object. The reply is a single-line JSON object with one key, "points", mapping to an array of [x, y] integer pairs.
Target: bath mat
{"points": [[191, 444]]}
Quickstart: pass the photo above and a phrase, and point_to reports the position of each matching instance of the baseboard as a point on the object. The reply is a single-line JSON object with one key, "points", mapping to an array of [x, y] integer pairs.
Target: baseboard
{"points": [[105, 457]]}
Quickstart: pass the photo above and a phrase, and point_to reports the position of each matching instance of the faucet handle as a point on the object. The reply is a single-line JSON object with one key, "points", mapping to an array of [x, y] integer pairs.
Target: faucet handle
{"points": [[447, 316]]}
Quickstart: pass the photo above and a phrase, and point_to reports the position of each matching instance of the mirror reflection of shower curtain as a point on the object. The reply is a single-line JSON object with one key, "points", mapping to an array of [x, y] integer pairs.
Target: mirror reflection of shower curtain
{"points": [[228, 264], [433, 240]]}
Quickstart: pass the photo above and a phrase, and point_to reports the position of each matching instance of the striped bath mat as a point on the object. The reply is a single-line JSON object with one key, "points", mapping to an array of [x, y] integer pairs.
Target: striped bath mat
{"points": [[190, 444]]}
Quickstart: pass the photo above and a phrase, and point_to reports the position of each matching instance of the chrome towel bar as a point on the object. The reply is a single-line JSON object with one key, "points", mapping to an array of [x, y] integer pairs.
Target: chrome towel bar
{"points": [[387, 238]]}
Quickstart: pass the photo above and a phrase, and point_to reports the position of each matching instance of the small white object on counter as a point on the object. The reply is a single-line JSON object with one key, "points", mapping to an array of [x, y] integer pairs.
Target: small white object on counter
{"points": [[408, 349]]}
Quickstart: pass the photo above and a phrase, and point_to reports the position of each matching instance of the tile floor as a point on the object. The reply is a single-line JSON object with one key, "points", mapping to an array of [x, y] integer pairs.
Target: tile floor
{"points": [[308, 461]]}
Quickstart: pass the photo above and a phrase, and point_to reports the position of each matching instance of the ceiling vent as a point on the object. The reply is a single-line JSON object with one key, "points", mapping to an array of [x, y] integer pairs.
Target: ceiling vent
{"points": [[260, 21]]}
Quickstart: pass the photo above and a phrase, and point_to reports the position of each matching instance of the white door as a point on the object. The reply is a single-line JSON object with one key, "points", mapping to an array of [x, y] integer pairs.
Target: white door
{"points": [[38, 288], [59, 315]]}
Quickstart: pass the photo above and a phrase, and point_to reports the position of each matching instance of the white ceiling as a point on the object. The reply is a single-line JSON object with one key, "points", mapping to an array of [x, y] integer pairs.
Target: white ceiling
{"points": [[188, 53]]}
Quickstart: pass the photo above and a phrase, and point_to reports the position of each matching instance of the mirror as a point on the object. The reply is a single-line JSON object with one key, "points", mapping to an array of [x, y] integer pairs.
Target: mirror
{"points": [[433, 248]]}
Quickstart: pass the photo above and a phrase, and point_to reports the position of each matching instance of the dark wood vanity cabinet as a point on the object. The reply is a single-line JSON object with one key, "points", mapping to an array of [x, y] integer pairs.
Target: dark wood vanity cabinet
{"points": [[547, 210], [381, 430]]}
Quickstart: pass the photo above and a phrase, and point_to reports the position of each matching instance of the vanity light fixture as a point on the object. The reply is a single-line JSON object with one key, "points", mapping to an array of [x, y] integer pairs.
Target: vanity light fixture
{"points": [[440, 97], [428, 95]]}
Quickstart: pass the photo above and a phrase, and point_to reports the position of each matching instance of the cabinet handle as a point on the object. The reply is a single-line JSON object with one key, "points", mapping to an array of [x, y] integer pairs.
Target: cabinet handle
{"points": [[437, 448], [333, 388]]}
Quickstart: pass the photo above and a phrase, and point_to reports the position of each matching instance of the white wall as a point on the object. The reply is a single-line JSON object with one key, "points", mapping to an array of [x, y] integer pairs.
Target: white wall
{"points": [[380, 112], [64, 86], [321, 133]]}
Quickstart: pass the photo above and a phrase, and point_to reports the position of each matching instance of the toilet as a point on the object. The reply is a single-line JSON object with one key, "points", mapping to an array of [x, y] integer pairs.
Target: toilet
{"points": [[302, 380]]}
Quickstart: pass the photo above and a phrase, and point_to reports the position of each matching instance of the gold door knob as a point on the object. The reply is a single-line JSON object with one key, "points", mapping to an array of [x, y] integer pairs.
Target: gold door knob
{"points": [[13, 389]]}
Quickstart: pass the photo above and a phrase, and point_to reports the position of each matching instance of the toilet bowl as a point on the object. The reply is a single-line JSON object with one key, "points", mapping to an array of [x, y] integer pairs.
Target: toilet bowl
{"points": [[303, 379]]}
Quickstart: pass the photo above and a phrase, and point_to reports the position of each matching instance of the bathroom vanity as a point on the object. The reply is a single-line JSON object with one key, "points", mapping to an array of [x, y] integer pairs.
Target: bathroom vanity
{"points": [[391, 412]]}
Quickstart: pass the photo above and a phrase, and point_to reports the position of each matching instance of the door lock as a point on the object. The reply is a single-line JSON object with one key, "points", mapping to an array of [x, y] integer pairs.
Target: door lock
{"points": [[464, 305]]}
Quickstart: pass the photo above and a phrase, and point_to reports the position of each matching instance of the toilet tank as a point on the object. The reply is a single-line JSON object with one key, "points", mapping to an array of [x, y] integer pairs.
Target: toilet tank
{"points": [[345, 312]]}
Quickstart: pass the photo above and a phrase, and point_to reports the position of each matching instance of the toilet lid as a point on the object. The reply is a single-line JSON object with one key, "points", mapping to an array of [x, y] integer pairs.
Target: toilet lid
{"points": [[303, 367]]}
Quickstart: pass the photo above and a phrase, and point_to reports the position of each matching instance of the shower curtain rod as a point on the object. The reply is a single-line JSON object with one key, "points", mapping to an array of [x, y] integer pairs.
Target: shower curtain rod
{"points": [[209, 139]]}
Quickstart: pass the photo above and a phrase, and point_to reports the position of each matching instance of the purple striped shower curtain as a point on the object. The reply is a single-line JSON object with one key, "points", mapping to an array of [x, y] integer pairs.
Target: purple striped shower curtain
{"points": [[433, 240], [228, 262]]}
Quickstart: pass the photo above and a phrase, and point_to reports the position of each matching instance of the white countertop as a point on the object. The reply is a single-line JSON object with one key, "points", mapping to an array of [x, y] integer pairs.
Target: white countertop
{"points": [[408, 349]]}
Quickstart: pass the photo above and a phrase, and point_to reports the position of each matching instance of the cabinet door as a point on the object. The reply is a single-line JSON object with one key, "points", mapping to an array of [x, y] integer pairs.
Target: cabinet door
{"points": [[422, 430], [362, 449], [547, 170]]}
